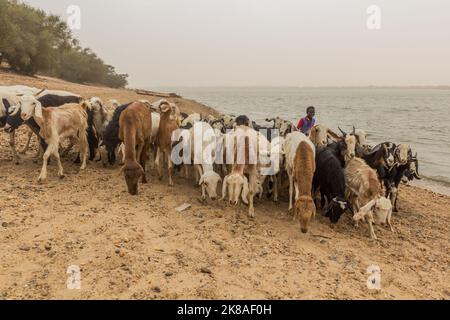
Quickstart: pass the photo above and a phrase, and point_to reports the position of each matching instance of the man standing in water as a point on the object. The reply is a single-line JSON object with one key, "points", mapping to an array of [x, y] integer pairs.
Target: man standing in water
{"points": [[305, 124]]}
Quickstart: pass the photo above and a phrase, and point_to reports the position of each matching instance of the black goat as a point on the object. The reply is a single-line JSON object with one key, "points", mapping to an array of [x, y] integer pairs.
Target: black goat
{"points": [[329, 178], [111, 136]]}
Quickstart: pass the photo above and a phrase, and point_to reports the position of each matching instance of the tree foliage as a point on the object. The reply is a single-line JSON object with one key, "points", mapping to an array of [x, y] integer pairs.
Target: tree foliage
{"points": [[32, 41]]}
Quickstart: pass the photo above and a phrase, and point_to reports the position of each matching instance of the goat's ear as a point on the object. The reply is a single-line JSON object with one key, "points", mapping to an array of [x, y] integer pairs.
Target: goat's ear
{"points": [[121, 171], [245, 191], [38, 110]]}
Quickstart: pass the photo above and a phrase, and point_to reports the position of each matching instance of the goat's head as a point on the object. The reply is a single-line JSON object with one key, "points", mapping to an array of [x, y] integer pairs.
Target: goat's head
{"points": [[389, 153], [403, 154], [209, 180], [96, 105], [337, 208], [29, 107], [285, 128], [133, 172], [413, 170], [236, 184], [305, 209], [361, 138], [320, 133], [350, 147]]}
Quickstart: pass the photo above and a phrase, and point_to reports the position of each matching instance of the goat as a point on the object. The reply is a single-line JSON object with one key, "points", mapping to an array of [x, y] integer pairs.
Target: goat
{"points": [[111, 140], [169, 122], [135, 130], [344, 147], [47, 98], [377, 211], [329, 178], [408, 171], [320, 134], [283, 126], [291, 144], [203, 144], [304, 168], [191, 119], [67, 121], [248, 149], [362, 183]]}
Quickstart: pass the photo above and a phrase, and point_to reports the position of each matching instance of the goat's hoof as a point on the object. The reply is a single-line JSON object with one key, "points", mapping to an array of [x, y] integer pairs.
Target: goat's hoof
{"points": [[61, 176], [41, 180]]}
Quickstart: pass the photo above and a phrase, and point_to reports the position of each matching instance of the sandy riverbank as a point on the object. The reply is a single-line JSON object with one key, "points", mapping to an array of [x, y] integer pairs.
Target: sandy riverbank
{"points": [[140, 247]]}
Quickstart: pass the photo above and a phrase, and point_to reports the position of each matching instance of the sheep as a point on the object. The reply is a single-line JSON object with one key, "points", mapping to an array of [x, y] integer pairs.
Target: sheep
{"points": [[203, 144], [291, 145], [320, 134], [377, 211], [68, 121], [135, 130], [169, 122], [362, 183]]}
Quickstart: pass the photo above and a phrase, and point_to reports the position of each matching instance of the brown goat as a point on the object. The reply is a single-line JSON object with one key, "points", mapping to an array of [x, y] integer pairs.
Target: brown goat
{"points": [[304, 168], [135, 130], [362, 182], [167, 125]]}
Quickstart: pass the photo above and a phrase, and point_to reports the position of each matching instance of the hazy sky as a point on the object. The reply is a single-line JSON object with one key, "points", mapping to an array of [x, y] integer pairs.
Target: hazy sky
{"points": [[267, 42]]}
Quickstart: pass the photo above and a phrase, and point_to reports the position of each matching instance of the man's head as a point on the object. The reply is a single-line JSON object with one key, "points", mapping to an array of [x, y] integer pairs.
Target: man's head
{"points": [[311, 112]]}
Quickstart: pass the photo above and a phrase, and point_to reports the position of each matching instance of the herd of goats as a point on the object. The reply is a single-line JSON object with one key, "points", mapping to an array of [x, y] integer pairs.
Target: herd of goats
{"points": [[337, 172]]}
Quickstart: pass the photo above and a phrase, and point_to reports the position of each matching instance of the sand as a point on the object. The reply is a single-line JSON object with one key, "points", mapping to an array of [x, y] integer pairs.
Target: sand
{"points": [[142, 248]]}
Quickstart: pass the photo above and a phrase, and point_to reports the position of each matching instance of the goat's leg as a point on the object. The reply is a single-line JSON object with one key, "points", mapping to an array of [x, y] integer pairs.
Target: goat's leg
{"points": [[12, 144], [203, 192], [43, 176], [275, 188], [55, 153], [170, 169], [251, 192], [370, 224], [143, 161], [158, 163], [84, 149], [388, 221], [291, 189], [27, 145]]}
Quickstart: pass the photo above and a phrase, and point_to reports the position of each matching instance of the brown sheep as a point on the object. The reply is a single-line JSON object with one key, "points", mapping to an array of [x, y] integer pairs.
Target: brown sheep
{"points": [[135, 130]]}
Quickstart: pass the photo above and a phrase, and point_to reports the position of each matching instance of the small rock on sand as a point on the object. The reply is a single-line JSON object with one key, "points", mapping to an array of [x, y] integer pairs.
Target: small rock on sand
{"points": [[205, 270]]}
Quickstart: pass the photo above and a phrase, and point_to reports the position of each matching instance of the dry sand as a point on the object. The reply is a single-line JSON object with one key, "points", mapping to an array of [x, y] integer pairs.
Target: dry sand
{"points": [[141, 248]]}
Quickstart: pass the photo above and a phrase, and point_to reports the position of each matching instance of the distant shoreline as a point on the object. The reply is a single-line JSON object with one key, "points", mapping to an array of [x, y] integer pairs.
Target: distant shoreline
{"points": [[439, 87]]}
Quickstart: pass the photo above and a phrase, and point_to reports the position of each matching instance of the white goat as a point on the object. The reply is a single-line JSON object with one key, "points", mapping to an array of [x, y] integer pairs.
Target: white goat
{"points": [[377, 211], [203, 144], [68, 121]]}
